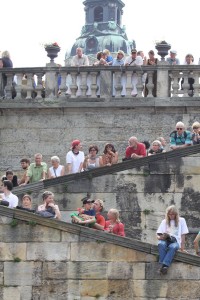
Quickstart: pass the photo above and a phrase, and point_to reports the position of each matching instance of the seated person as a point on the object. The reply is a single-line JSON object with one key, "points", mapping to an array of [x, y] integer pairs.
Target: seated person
{"points": [[11, 177], [92, 160], [135, 149], [196, 244], [113, 225], [156, 148], [195, 133], [26, 204], [180, 138], [110, 155], [49, 209], [85, 215]]}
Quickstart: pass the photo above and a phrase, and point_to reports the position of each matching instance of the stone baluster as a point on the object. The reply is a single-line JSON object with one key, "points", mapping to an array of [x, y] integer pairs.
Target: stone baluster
{"points": [[51, 84], [185, 85], [63, 75], [129, 86], [29, 86], [175, 83], [39, 86], [150, 84], [83, 85], [118, 85], [196, 85], [18, 86], [163, 80], [93, 84], [9, 86], [139, 85], [73, 85]]}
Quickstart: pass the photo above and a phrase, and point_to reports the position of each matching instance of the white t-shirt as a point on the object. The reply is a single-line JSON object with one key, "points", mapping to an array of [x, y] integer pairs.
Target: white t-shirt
{"points": [[173, 230], [12, 199], [137, 62], [56, 172], [75, 160]]}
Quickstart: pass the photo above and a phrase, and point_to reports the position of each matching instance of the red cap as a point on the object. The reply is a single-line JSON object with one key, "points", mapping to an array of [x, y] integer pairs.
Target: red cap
{"points": [[75, 143]]}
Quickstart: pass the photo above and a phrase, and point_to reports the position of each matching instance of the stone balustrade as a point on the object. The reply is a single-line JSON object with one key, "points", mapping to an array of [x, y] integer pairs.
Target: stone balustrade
{"points": [[101, 82]]}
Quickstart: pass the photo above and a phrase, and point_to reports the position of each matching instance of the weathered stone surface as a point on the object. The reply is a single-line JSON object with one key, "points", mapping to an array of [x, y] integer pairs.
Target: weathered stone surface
{"points": [[51, 290], [118, 270], [177, 271], [9, 251], [11, 293], [55, 271], [68, 237], [104, 252], [25, 232], [22, 273], [48, 251], [87, 270]]}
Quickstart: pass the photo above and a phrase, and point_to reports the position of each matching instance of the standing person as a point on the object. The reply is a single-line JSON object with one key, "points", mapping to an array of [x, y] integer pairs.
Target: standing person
{"points": [[75, 158], [114, 225], [195, 133], [189, 60], [8, 195], [25, 163], [163, 141], [119, 62], [100, 220], [134, 60], [11, 177], [110, 155], [56, 170], [36, 171], [152, 61], [156, 148], [92, 161], [135, 149], [180, 138], [196, 244], [108, 56], [1, 80], [172, 59], [7, 63], [171, 237], [79, 60]]}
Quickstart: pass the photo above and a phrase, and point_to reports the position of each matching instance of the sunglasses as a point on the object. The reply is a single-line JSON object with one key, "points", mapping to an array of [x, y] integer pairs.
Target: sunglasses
{"points": [[179, 128]]}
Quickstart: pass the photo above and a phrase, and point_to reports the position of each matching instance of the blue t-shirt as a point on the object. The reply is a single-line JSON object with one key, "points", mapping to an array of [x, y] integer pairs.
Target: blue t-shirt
{"points": [[90, 212]]}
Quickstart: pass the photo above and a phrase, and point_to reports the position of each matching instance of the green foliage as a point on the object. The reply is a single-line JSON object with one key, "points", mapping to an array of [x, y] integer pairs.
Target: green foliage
{"points": [[99, 242], [146, 173], [90, 176], [13, 223], [32, 223], [147, 211], [17, 259], [65, 188], [97, 296]]}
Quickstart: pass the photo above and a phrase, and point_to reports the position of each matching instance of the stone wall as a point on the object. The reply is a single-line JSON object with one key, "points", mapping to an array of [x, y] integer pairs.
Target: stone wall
{"points": [[48, 260]]}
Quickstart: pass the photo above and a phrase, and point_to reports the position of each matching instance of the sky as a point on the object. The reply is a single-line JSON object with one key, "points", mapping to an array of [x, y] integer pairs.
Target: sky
{"points": [[26, 26]]}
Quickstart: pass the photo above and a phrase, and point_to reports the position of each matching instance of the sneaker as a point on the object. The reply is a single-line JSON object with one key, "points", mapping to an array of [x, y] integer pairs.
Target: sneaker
{"points": [[163, 270]]}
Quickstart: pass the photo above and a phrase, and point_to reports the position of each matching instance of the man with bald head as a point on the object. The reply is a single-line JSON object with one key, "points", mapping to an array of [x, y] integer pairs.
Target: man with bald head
{"points": [[135, 149], [180, 138]]}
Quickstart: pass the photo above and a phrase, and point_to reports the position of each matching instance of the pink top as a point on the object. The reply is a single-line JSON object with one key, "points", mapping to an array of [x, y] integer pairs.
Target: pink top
{"points": [[118, 228]]}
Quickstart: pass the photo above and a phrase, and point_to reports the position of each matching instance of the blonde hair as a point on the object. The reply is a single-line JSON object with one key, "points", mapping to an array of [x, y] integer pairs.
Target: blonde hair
{"points": [[100, 203], [106, 51], [172, 209], [157, 142], [55, 158], [115, 212], [196, 124]]}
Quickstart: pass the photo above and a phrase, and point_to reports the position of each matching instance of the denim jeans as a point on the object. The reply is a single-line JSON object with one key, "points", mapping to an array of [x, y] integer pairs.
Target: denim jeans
{"points": [[167, 252]]}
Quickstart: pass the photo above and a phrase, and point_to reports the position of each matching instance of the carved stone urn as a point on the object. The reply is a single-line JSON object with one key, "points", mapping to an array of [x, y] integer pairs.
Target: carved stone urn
{"points": [[163, 48], [52, 52]]}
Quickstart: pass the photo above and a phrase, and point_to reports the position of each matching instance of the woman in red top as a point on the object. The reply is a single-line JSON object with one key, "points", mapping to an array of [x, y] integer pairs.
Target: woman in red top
{"points": [[113, 225]]}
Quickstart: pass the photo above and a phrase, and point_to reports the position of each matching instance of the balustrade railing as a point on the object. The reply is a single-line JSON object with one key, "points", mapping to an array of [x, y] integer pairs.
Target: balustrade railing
{"points": [[100, 82]]}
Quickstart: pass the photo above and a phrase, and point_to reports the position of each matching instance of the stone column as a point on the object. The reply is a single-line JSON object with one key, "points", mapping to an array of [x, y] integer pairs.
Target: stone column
{"points": [[162, 79]]}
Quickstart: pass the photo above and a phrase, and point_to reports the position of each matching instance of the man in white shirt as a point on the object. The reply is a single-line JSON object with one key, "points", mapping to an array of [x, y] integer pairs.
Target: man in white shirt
{"points": [[75, 158], [80, 60], [7, 195], [134, 60]]}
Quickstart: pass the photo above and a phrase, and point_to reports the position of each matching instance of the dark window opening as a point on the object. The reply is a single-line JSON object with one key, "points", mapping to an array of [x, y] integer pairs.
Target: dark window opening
{"points": [[98, 14]]}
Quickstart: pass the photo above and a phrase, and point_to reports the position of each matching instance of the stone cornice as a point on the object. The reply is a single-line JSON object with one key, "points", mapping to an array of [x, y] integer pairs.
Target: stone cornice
{"points": [[94, 234], [122, 166]]}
